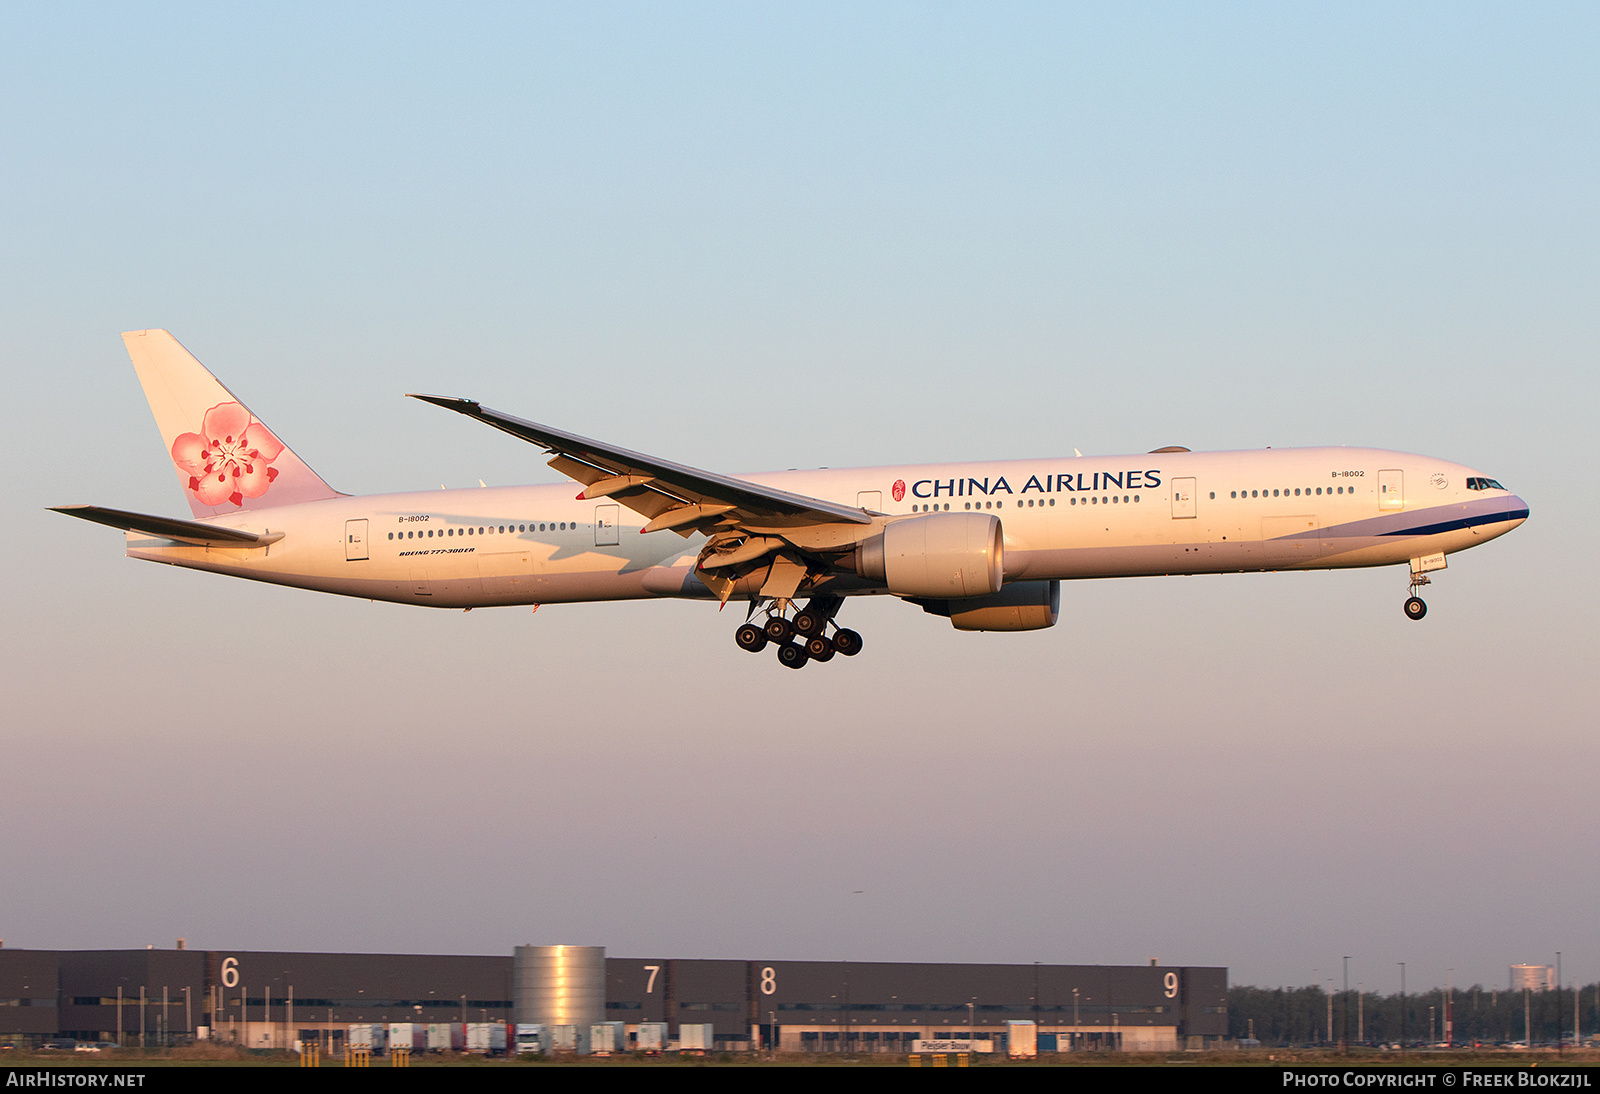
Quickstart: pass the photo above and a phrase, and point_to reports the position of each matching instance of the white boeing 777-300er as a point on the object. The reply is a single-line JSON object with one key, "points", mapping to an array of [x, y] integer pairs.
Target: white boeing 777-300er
{"points": [[983, 544]]}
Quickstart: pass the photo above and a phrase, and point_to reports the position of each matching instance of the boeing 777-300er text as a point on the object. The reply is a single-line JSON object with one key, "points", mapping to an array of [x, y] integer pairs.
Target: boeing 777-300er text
{"points": [[986, 545]]}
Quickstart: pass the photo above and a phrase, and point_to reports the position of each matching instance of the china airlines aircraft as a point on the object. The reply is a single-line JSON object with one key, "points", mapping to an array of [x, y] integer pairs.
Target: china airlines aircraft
{"points": [[985, 545]]}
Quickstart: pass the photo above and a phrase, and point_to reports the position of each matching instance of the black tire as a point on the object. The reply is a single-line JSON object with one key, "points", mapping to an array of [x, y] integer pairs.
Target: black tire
{"points": [[792, 655], [808, 623], [778, 628], [751, 637], [819, 648], [1415, 608], [847, 641]]}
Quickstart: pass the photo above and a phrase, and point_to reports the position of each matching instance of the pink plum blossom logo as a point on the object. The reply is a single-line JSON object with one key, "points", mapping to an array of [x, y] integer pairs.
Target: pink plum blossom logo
{"points": [[899, 489], [227, 461]]}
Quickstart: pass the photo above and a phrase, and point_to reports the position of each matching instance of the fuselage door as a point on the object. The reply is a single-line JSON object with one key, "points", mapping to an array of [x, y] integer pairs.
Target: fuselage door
{"points": [[355, 540], [1391, 490], [1182, 498], [870, 500], [605, 526]]}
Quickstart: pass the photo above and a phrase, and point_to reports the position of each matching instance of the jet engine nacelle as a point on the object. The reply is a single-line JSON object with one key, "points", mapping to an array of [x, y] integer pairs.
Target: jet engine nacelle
{"points": [[943, 555], [1021, 606]]}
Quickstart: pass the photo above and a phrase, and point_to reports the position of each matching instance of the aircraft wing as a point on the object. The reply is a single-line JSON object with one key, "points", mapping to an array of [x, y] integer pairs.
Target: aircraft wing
{"points": [[179, 531], [670, 494]]}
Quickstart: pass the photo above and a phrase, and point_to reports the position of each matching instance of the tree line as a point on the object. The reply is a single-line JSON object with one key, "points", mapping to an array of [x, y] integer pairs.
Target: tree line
{"points": [[1297, 1016]]}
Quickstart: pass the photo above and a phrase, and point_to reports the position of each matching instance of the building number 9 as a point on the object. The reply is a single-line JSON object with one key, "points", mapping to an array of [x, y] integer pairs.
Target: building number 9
{"points": [[1170, 982]]}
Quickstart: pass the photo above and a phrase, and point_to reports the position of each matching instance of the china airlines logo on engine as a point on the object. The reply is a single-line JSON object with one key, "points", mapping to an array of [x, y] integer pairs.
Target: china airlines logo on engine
{"points": [[898, 490]]}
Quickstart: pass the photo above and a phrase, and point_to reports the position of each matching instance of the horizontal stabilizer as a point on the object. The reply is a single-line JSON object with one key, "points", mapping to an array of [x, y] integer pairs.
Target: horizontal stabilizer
{"points": [[180, 531]]}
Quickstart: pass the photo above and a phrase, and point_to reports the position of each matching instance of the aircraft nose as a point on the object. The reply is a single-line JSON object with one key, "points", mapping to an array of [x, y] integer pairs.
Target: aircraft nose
{"points": [[1516, 509]]}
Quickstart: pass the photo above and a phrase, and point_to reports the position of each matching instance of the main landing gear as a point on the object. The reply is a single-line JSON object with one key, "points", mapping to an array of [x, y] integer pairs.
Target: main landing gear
{"points": [[804, 636]]}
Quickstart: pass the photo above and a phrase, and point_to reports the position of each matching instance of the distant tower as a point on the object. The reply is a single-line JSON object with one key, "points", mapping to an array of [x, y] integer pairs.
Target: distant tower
{"points": [[559, 985], [1533, 977]]}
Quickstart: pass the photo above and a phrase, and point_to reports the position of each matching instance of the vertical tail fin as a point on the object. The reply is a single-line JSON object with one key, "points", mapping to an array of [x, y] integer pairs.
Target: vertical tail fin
{"points": [[225, 458]]}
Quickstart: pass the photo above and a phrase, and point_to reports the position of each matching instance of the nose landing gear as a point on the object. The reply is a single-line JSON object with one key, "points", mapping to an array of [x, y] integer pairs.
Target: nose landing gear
{"points": [[1415, 608], [810, 625]]}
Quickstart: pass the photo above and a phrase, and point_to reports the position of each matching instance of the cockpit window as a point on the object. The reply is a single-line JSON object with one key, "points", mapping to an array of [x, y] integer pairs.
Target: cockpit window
{"points": [[1483, 484]]}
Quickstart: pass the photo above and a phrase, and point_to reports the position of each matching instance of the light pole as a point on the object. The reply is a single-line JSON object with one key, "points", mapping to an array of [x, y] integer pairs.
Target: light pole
{"points": [[1316, 978], [1402, 1006], [1036, 995], [1560, 1038], [1344, 1025], [1449, 1027]]}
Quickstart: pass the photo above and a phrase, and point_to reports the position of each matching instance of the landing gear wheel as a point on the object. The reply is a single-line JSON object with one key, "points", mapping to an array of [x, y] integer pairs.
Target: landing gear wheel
{"points": [[847, 641], [1415, 608], [751, 637], [792, 655], [809, 623], [778, 628], [820, 649]]}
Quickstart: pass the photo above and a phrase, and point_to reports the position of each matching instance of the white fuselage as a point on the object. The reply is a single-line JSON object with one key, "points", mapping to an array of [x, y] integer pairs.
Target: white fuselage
{"points": [[1092, 516]]}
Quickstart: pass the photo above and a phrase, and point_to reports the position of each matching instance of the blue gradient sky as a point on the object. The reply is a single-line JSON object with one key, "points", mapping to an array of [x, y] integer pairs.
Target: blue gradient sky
{"points": [[761, 236]]}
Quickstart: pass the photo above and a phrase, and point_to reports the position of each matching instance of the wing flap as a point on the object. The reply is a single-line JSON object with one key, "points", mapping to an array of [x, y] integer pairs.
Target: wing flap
{"points": [[685, 514]]}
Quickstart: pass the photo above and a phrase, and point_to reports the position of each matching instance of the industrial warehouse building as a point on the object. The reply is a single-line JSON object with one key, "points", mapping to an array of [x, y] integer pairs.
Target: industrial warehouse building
{"points": [[270, 1000]]}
